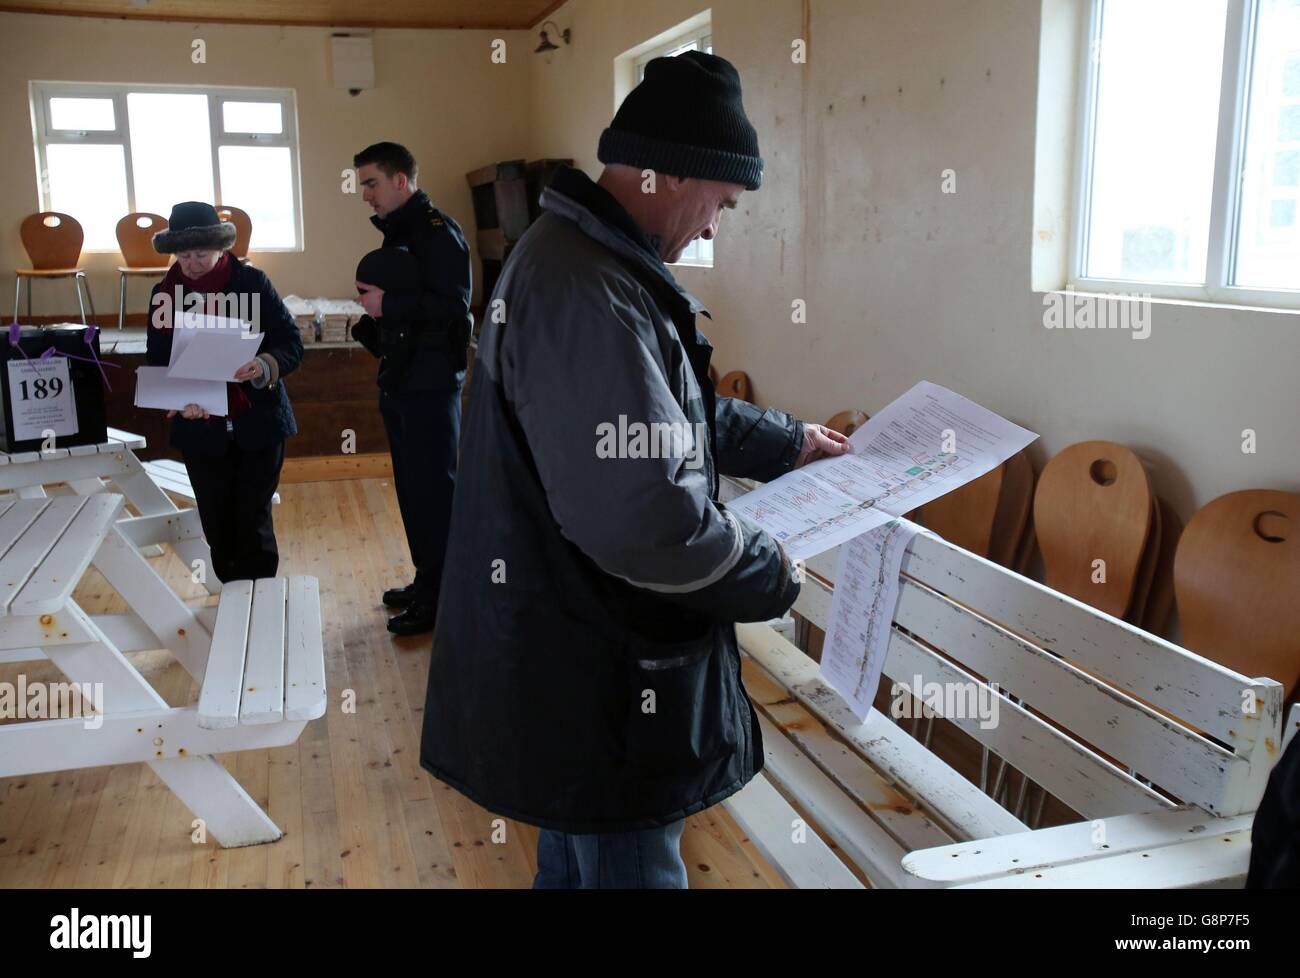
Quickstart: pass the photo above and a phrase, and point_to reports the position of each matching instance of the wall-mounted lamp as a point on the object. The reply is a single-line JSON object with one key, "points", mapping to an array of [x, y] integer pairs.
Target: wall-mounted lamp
{"points": [[566, 36]]}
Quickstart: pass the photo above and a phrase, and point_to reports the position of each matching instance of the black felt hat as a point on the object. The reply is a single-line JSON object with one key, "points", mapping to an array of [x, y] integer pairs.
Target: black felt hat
{"points": [[686, 119], [194, 226]]}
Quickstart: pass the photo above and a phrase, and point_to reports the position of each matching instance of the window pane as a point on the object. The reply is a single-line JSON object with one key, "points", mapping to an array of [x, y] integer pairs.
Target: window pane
{"points": [[1160, 63], [89, 182], [1268, 235], [258, 117], [86, 114], [171, 149], [259, 179]]}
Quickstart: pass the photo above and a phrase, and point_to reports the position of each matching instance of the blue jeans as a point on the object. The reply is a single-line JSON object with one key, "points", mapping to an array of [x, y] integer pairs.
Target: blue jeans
{"points": [[649, 859]]}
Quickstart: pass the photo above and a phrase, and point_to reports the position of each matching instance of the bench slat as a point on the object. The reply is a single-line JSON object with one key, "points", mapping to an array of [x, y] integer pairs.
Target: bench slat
{"points": [[769, 819], [223, 681], [970, 862], [1098, 715], [1202, 693], [40, 522], [263, 697], [896, 813], [859, 839], [57, 575], [1220, 861], [304, 692], [1081, 778], [963, 810]]}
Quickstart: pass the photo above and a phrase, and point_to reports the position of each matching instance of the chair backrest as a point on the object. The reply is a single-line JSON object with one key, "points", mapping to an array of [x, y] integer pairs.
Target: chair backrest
{"points": [[965, 516], [847, 422], [1160, 599], [1096, 699], [1237, 581], [1012, 529], [1094, 503], [52, 239], [735, 384], [135, 238], [243, 228]]}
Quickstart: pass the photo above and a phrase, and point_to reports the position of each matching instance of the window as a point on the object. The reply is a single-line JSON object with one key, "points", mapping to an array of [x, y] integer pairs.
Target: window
{"points": [[107, 150], [1188, 178], [699, 251]]}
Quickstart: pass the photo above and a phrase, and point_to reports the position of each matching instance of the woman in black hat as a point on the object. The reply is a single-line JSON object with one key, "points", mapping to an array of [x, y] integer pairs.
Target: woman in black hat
{"points": [[234, 461]]}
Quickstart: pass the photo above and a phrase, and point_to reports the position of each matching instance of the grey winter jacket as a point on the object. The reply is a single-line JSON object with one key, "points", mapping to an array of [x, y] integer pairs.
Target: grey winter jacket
{"points": [[585, 675]]}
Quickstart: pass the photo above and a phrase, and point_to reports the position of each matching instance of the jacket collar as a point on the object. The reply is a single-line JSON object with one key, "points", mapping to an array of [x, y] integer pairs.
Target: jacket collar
{"points": [[418, 204], [576, 197]]}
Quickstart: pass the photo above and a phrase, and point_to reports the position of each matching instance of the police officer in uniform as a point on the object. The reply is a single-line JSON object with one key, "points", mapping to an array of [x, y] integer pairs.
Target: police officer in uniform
{"points": [[422, 335]]}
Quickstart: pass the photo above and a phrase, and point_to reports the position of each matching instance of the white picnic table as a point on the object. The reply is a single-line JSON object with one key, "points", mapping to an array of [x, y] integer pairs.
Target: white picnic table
{"points": [[85, 467], [260, 664]]}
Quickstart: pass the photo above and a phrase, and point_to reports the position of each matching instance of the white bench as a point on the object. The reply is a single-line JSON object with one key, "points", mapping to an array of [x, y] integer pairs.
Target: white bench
{"points": [[261, 666], [170, 476], [1157, 748]]}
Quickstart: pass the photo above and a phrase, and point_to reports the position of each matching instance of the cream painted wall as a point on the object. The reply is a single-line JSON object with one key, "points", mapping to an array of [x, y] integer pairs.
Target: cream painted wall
{"points": [[904, 282], [437, 91]]}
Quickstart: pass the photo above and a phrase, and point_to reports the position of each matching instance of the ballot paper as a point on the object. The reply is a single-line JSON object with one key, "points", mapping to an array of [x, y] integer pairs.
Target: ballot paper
{"points": [[862, 610], [155, 389], [214, 354], [925, 444]]}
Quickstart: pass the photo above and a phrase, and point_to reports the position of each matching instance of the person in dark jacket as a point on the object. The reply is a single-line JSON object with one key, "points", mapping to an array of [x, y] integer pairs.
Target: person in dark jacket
{"points": [[585, 675], [1275, 835], [233, 462], [423, 337]]}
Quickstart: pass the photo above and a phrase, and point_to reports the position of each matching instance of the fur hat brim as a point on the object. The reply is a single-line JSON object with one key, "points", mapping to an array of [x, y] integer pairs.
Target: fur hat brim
{"points": [[214, 237]]}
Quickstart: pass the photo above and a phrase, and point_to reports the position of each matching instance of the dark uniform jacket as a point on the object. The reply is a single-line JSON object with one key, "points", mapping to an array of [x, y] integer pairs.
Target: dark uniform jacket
{"points": [[437, 315], [585, 675], [269, 417]]}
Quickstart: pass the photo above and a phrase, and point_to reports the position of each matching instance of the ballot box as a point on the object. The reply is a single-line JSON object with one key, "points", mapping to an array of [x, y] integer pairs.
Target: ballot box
{"points": [[51, 384]]}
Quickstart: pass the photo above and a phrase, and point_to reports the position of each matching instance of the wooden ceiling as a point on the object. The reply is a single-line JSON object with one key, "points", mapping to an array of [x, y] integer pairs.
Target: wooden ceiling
{"points": [[434, 14]]}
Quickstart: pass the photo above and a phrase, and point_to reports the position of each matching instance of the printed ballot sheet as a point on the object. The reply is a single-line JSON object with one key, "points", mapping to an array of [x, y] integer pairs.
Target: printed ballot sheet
{"points": [[155, 389], [925, 444], [862, 611], [218, 333]]}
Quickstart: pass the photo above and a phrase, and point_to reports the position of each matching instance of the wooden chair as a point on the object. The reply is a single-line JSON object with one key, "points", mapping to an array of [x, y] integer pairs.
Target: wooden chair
{"points": [[53, 244], [1094, 502], [735, 384], [847, 422], [1237, 578], [243, 228], [135, 237]]}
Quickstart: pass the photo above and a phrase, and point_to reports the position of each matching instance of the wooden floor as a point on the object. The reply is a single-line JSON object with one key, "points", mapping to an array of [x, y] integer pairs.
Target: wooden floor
{"points": [[355, 806]]}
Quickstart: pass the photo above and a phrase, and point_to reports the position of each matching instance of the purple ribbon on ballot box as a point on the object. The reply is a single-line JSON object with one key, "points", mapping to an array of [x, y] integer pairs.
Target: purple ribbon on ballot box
{"points": [[15, 333]]}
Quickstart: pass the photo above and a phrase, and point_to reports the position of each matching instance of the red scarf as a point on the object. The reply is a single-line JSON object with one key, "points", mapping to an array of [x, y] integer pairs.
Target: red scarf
{"points": [[209, 283]]}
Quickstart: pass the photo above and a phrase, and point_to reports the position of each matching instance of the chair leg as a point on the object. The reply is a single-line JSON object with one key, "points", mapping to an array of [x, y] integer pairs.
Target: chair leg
{"points": [[76, 286], [121, 300], [29, 302], [90, 299], [18, 294]]}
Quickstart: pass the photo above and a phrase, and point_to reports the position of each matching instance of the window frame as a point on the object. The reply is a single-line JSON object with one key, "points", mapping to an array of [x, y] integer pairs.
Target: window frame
{"points": [[1225, 207], [40, 93]]}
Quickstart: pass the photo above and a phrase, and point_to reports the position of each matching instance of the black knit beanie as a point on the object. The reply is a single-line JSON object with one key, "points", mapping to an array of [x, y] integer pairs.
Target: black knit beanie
{"points": [[686, 119]]}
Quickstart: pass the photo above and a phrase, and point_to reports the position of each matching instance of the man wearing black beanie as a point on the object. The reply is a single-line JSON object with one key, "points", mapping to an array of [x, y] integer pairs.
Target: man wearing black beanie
{"points": [[585, 675]]}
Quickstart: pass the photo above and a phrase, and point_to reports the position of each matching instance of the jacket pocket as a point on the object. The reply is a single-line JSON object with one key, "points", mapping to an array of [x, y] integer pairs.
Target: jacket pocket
{"points": [[680, 717]]}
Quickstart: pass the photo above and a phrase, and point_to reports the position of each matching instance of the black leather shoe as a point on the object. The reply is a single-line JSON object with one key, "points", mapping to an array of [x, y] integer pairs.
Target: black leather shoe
{"points": [[415, 620], [400, 597]]}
